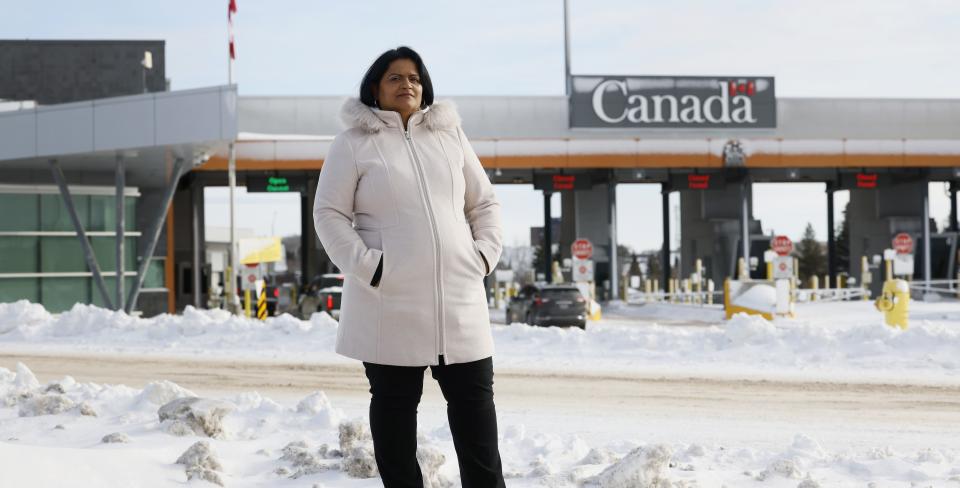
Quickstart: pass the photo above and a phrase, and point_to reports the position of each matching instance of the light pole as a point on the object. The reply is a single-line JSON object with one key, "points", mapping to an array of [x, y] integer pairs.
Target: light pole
{"points": [[147, 64]]}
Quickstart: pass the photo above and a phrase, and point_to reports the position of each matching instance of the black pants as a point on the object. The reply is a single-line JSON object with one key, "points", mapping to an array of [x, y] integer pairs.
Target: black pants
{"points": [[468, 389]]}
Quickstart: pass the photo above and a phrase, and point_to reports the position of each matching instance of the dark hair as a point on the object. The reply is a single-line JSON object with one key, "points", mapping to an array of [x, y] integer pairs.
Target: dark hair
{"points": [[379, 68]]}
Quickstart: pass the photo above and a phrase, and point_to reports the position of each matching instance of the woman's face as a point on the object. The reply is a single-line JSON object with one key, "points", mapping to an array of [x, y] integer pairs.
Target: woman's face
{"points": [[399, 89]]}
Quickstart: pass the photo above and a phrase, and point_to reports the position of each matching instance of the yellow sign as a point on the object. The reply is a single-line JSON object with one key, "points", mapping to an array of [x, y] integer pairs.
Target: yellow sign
{"points": [[260, 250]]}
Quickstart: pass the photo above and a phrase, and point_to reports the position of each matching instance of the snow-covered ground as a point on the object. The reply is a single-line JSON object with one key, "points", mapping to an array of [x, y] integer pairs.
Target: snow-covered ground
{"points": [[49, 438]]}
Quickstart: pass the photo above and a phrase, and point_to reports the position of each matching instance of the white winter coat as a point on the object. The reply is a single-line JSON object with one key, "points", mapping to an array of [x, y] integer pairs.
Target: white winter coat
{"points": [[422, 201]]}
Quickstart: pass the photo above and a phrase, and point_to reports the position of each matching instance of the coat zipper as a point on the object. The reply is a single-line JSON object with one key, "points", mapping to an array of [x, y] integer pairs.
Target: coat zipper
{"points": [[436, 236]]}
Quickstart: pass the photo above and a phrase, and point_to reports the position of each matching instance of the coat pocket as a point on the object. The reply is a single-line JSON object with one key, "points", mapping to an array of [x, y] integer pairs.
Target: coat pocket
{"points": [[481, 261], [373, 240]]}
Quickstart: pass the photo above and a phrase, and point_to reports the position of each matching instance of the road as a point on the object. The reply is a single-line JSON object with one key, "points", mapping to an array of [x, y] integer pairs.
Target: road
{"points": [[584, 404]]}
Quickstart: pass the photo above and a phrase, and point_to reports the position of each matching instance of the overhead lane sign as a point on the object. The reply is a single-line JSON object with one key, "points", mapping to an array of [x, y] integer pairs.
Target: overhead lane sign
{"points": [[693, 102]]}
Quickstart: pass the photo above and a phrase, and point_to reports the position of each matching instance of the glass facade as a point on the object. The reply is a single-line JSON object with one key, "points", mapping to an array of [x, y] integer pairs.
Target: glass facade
{"points": [[50, 269]]}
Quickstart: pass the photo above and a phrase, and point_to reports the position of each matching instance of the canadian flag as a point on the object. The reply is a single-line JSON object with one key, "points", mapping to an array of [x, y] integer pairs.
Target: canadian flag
{"points": [[231, 10]]}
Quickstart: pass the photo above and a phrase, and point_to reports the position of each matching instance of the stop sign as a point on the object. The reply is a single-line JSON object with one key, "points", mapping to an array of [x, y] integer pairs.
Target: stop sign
{"points": [[582, 249], [903, 243], [782, 245]]}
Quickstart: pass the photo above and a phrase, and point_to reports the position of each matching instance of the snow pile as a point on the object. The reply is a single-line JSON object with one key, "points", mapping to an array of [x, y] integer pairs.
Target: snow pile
{"points": [[319, 408], [22, 314], [201, 462], [195, 415], [305, 461], [51, 404], [91, 327], [158, 393], [357, 448], [642, 468], [258, 425], [25, 379], [116, 438], [431, 459]]}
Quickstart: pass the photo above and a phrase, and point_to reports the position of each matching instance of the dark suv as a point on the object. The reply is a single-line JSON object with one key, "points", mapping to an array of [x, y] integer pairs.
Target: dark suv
{"points": [[541, 304]]}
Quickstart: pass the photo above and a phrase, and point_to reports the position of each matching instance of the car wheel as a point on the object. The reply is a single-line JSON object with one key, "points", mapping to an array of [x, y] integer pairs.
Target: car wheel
{"points": [[582, 325]]}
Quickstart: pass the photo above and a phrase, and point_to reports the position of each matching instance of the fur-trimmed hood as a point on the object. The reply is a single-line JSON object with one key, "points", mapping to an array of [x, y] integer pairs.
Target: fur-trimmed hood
{"points": [[354, 114]]}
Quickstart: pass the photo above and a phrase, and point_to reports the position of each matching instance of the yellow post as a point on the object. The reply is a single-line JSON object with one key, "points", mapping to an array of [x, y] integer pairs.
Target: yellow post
{"points": [[496, 294], [887, 270], [742, 268], [710, 292], [656, 285], [770, 270], [685, 286], [815, 285], [246, 303]]}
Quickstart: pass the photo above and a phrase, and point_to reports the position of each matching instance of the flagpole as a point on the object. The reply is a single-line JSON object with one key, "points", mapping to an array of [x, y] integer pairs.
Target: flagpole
{"points": [[230, 281]]}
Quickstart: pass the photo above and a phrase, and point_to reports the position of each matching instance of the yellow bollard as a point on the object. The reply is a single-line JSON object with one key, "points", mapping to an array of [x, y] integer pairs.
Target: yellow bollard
{"points": [[262, 303], [742, 269], [814, 285], [894, 302], [246, 303]]}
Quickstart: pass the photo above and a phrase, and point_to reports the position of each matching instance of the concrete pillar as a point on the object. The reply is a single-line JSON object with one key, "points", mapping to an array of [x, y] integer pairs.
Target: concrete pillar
{"points": [[315, 259], [665, 248], [831, 237], [926, 234], [591, 214], [119, 214], [198, 253], [547, 238], [745, 220], [612, 222], [954, 226], [306, 231], [714, 225], [876, 215]]}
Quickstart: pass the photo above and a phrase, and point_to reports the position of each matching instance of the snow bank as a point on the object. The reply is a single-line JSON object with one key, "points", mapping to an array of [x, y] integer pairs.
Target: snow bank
{"points": [[826, 340]]}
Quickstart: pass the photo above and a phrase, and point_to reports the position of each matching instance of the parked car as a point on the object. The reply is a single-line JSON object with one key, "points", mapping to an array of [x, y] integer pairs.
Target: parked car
{"points": [[322, 294], [543, 304]]}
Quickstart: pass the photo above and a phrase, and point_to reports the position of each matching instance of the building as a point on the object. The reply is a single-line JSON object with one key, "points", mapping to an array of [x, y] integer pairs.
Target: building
{"points": [[707, 138]]}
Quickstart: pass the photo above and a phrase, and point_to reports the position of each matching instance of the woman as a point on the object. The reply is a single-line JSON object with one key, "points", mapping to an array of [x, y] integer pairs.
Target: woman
{"points": [[406, 211]]}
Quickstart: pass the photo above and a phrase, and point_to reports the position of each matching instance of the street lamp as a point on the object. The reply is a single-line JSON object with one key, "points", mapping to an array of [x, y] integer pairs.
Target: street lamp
{"points": [[147, 64]]}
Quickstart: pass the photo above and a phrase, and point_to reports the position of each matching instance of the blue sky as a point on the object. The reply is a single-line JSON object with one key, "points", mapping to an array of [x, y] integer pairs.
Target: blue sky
{"points": [[816, 48]]}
